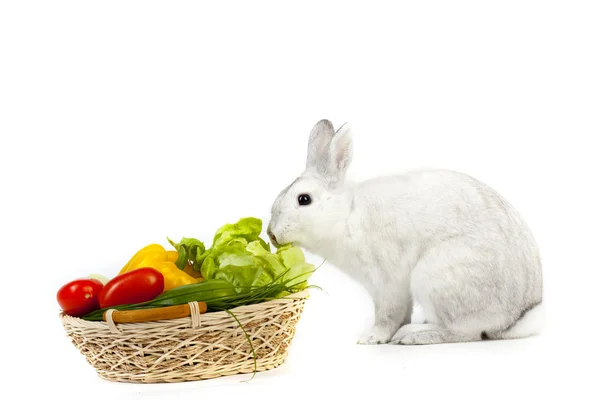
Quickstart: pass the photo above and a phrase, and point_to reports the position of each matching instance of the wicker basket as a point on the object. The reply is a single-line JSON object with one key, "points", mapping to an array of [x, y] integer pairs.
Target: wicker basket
{"points": [[197, 347]]}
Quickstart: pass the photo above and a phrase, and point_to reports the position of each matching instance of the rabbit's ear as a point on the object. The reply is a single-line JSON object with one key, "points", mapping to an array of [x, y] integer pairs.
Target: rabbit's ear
{"points": [[340, 154], [317, 157]]}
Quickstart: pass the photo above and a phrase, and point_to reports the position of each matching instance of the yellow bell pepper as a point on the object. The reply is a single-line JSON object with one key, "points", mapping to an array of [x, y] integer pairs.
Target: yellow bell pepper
{"points": [[146, 256], [155, 256], [172, 255], [174, 277]]}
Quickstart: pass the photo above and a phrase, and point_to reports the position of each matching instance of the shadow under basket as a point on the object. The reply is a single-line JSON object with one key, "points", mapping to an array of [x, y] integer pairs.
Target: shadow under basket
{"points": [[201, 346]]}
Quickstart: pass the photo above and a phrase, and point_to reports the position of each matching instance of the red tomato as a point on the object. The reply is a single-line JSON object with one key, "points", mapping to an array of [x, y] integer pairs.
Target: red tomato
{"points": [[79, 297], [132, 287]]}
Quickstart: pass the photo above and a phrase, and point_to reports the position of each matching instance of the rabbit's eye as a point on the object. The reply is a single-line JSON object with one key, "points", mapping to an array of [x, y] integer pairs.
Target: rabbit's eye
{"points": [[304, 200]]}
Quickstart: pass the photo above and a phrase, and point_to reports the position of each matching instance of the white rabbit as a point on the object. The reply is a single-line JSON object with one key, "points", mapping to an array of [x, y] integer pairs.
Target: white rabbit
{"points": [[439, 239]]}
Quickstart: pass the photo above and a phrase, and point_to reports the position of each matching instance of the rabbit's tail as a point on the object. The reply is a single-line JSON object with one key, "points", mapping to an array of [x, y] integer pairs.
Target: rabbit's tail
{"points": [[529, 324]]}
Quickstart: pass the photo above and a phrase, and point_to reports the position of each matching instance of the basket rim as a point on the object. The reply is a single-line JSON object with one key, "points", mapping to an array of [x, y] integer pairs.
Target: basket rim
{"points": [[296, 296]]}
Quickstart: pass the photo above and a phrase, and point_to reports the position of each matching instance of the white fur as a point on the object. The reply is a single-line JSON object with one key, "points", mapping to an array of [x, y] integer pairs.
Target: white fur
{"points": [[441, 239]]}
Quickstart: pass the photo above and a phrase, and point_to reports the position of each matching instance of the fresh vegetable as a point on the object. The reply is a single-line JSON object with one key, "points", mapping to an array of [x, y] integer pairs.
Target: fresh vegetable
{"points": [[155, 256], [239, 256], [79, 297], [173, 276], [146, 256], [172, 255], [238, 269], [136, 286], [188, 249], [219, 295]]}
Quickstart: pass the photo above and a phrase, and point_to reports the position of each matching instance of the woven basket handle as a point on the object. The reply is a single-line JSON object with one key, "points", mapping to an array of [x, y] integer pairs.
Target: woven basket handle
{"points": [[156, 314]]}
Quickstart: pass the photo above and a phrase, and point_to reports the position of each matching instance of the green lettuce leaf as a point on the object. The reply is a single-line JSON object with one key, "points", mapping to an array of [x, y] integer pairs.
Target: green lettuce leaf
{"points": [[243, 278], [299, 271], [271, 262], [241, 258], [247, 228], [208, 268]]}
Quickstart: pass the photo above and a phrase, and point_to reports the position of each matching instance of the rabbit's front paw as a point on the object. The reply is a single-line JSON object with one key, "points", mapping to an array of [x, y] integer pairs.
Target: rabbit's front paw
{"points": [[376, 335]]}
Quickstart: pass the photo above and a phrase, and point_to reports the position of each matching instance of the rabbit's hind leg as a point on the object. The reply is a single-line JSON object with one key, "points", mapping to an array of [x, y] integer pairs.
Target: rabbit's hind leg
{"points": [[422, 334], [464, 294]]}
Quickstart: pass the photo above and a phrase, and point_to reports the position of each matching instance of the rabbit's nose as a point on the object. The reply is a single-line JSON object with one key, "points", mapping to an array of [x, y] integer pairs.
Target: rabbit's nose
{"points": [[272, 236]]}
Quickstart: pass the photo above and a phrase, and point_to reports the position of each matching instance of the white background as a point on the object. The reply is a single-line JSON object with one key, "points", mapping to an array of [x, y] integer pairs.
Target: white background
{"points": [[125, 122]]}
